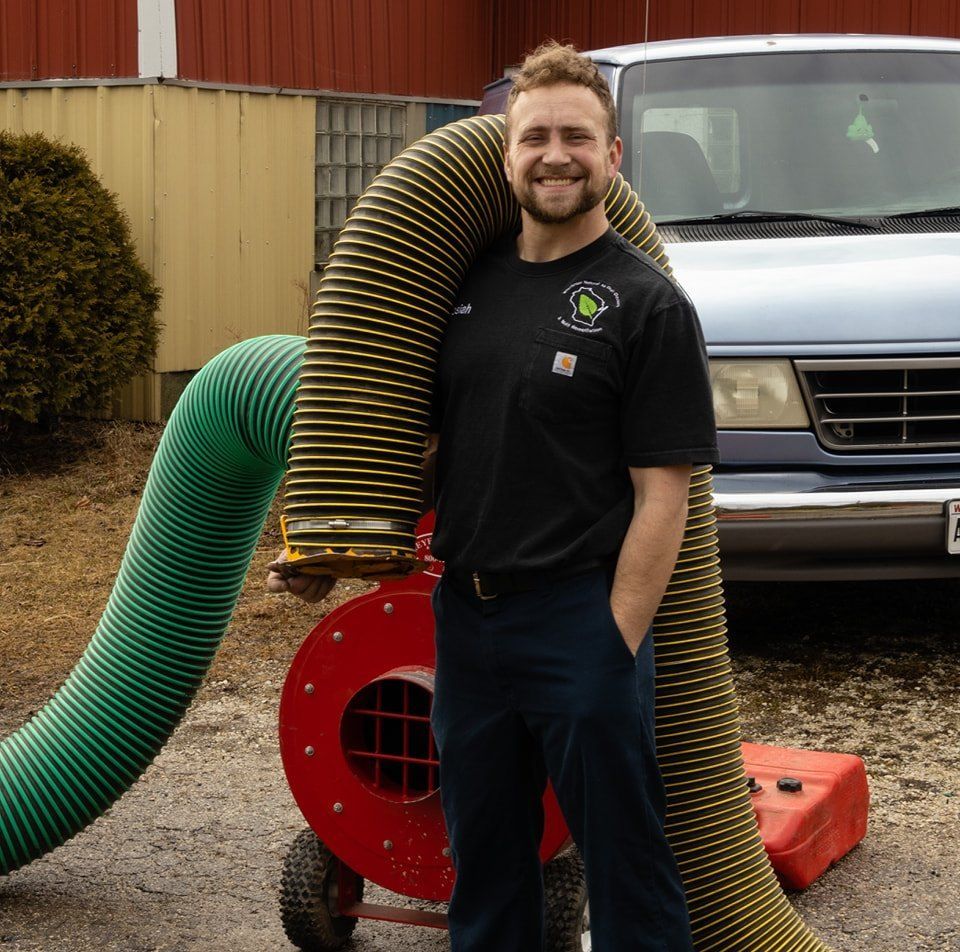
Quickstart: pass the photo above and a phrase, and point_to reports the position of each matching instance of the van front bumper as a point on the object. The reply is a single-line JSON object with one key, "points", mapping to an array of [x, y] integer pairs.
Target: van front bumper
{"points": [[854, 533]]}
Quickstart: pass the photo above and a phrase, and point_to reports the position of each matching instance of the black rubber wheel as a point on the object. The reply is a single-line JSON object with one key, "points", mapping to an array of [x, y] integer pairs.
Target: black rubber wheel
{"points": [[308, 896], [566, 909]]}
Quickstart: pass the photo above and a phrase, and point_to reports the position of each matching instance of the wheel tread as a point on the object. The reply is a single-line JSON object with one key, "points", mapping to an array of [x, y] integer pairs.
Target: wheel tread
{"points": [[308, 870], [565, 898]]}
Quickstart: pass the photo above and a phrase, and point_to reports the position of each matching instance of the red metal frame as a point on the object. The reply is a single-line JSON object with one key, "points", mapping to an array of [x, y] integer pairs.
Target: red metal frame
{"points": [[349, 905]]}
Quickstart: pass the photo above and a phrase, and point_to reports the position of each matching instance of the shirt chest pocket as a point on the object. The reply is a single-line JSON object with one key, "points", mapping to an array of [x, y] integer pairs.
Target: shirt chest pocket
{"points": [[567, 378]]}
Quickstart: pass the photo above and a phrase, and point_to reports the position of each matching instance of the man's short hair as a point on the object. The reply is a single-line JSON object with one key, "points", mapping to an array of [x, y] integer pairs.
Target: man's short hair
{"points": [[552, 63]]}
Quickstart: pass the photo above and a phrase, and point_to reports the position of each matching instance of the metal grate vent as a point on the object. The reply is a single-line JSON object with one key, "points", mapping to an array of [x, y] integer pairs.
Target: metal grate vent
{"points": [[387, 739], [892, 403]]}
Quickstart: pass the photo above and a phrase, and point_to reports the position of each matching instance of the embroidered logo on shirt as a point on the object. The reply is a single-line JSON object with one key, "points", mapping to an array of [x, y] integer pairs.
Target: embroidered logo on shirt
{"points": [[588, 305], [564, 364], [588, 301], [463, 309]]}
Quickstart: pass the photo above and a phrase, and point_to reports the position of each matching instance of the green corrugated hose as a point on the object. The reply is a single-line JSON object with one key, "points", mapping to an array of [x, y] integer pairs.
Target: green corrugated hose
{"points": [[215, 474]]}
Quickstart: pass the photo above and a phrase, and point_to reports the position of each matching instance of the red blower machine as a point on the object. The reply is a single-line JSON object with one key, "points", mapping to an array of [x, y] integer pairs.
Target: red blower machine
{"points": [[361, 762]]}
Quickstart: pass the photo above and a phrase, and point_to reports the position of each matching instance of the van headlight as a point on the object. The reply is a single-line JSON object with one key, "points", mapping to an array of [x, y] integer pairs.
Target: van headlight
{"points": [[756, 394]]}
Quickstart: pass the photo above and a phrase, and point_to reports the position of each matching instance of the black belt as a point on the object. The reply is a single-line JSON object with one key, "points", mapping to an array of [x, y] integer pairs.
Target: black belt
{"points": [[491, 584]]}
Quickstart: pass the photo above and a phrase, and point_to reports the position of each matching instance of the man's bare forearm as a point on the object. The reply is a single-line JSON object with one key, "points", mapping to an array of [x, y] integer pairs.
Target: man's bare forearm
{"points": [[649, 551]]}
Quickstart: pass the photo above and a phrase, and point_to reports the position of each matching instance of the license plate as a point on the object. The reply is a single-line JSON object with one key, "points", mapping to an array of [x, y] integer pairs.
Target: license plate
{"points": [[953, 527]]}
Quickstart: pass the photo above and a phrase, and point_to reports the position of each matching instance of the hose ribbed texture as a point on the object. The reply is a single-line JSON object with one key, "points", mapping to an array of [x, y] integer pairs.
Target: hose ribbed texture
{"points": [[216, 470], [734, 898], [354, 485], [362, 413]]}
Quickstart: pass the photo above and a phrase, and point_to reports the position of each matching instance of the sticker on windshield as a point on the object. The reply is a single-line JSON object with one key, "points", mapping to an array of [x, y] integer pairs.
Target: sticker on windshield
{"points": [[860, 130]]}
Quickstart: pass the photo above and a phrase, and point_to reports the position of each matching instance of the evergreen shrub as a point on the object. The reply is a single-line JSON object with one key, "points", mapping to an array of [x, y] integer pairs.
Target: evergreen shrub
{"points": [[77, 309]]}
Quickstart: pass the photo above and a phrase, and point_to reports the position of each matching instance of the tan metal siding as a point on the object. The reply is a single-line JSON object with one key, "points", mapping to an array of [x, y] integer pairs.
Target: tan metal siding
{"points": [[234, 229], [218, 186]]}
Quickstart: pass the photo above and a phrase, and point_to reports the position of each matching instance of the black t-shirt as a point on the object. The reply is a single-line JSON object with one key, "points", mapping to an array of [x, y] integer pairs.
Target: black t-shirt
{"points": [[553, 378]]}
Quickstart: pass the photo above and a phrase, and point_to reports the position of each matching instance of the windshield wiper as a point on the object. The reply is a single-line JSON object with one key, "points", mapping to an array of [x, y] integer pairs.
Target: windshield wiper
{"points": [[748, 214], [928, 212]]}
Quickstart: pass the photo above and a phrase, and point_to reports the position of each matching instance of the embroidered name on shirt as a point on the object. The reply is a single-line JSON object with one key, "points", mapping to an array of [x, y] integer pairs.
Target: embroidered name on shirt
{"points": [[564, 364], [463, 309]]}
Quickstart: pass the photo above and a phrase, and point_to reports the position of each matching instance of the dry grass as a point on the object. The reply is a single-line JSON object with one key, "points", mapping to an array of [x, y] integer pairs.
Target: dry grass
{"points": [[67, 504]]}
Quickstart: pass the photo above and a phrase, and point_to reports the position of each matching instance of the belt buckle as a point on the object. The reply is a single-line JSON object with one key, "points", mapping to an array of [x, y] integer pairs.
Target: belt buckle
{"points": [[479, 590]]}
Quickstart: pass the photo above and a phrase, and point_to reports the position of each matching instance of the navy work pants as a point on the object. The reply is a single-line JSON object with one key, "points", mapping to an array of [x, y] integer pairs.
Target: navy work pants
{"points": [[539, 684]]}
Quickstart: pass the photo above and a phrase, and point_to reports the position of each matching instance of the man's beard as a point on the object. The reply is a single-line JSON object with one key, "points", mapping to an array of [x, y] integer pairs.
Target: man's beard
{"points": [[590, 197]]}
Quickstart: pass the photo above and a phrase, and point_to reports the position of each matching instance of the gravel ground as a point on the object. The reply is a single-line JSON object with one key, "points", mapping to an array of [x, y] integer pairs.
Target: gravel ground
{"points": [[189, 859]]}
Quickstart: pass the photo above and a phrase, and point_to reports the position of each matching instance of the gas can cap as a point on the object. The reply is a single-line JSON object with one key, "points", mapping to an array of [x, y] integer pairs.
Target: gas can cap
{"points": [[789, 785]]}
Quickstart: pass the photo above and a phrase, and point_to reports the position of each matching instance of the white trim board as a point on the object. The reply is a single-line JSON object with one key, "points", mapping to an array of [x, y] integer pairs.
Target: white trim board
{"points": [[157, 37]]}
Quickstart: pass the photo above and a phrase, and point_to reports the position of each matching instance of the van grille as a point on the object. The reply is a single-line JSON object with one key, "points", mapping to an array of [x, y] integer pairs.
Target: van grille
{"points": [[892, 403]]}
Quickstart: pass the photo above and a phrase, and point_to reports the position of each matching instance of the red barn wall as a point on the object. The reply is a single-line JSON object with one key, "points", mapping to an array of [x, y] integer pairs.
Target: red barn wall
{"points": [[435, 49], [67, 39], [426, 48], [519, 25]]}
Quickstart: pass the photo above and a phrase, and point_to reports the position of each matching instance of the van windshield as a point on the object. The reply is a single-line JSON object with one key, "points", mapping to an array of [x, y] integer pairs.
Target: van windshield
{"points": [[828, 133]]}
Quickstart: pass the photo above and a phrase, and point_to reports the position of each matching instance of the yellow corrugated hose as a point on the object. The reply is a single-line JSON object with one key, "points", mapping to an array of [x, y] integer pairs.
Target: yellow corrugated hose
{"points": [[354, 493]]}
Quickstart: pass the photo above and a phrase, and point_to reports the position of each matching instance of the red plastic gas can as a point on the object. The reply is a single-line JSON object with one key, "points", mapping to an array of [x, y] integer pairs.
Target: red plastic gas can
{"points": [[812, 808]]}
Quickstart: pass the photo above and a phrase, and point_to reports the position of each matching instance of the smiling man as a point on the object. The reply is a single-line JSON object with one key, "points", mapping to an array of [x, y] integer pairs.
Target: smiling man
{"points": [[571, 400]]}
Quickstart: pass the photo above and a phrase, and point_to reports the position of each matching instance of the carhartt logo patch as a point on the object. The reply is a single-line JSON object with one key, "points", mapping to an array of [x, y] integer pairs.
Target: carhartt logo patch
{"points": [[564, 364]]}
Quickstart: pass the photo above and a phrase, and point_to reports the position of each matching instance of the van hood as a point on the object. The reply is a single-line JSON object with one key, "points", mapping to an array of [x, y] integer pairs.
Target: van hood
{"points": [[856, 294]]}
